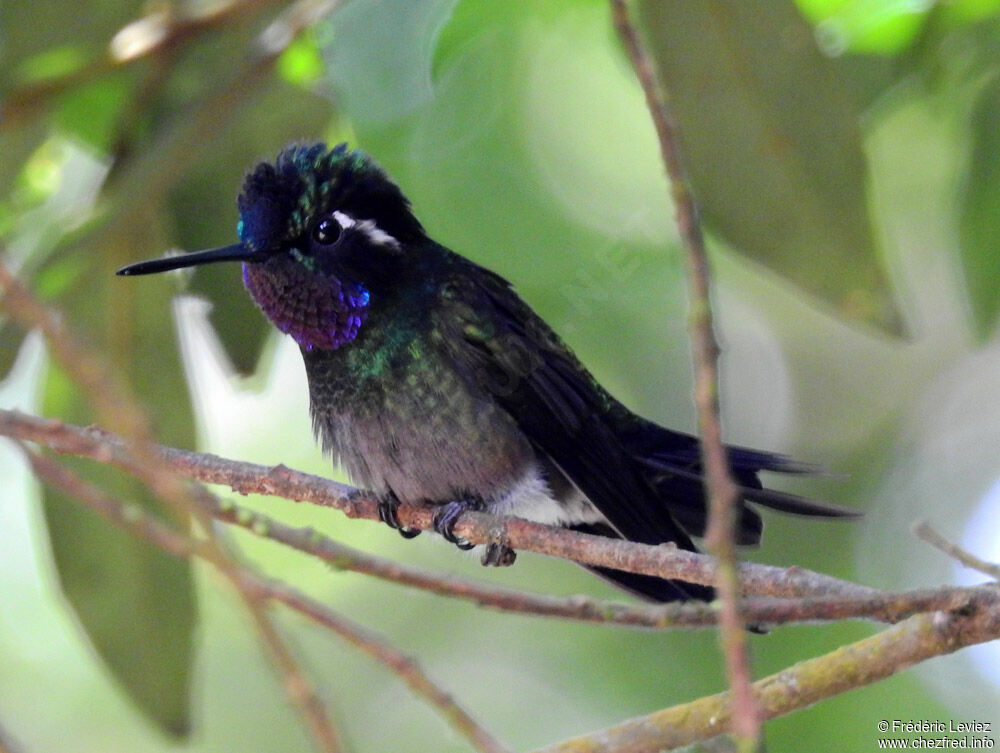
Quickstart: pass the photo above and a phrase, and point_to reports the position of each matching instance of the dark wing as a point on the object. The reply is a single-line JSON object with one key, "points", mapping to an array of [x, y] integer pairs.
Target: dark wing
{"points": [[564, 413], [646, 479]]}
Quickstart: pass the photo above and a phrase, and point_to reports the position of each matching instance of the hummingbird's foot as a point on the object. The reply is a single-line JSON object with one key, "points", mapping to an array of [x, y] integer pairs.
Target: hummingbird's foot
{"points": [[498, 554], [447, 515], [388, 507]]}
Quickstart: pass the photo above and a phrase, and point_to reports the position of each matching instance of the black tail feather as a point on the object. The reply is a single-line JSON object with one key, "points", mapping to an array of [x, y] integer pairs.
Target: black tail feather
{"points": [[654, 589], [751, 490], [646, 587], [671, 462]]}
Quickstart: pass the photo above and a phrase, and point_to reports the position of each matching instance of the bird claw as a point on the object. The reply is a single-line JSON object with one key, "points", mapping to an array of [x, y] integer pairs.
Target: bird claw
{"points": [[448, 514], [388, 507], [498, 554]]}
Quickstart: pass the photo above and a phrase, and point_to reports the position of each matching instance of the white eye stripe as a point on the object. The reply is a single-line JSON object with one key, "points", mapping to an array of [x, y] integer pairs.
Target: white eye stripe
{"points": [[377, 235], [372, 231], [345, 221]]}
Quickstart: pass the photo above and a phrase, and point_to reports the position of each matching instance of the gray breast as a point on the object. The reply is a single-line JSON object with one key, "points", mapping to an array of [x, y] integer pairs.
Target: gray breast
{"points": [[425, 433]]}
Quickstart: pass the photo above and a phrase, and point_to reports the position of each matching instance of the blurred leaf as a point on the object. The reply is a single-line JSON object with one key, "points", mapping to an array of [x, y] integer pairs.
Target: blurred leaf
{"points": [[46, 38], [980, 221], [381, 53], [40, 177], [972, 10], [136, 603], [11, 337], [58, 276], [203, 207], [869, 77], [51, 63], [772, 145], [302, 63], [241, 327], [16, 146], [91, 112], [865, 26]]}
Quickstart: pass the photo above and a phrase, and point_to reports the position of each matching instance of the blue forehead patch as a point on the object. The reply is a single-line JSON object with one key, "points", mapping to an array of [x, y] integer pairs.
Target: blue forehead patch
{"points": [[270, 194], [264, 209]]}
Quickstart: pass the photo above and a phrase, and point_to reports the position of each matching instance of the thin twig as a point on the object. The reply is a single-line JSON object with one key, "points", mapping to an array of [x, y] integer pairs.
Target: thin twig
{"points": [[862, 663], [924, 531], [815, 597], [297, 687], [721, 489], [403, 666]]}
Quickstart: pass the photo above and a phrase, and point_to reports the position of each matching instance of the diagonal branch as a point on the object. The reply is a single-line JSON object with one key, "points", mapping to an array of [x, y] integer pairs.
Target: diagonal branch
{"points": [[135, 520], [260, 591], [863, 663]]}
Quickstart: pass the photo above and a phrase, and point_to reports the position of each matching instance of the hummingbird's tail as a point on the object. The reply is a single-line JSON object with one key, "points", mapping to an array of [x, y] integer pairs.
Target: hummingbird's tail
{"points": [[671, 462]]}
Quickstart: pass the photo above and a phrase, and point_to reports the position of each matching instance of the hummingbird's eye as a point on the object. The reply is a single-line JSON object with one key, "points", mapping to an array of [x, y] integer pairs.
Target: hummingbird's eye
{"points": [[327, 232]]}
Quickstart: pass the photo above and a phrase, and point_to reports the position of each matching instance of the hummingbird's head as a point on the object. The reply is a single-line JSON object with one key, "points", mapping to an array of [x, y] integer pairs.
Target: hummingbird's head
{"points": [[321, 231]]}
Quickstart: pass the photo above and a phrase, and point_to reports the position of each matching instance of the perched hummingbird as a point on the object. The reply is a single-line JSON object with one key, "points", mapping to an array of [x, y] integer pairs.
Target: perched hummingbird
{"points": [[433, 382]]}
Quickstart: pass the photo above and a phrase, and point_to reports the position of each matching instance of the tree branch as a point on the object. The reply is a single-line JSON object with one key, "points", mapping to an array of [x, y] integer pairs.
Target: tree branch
{"points": [[961, 617], [161, 31], [250, 478], [863, 663], [813, 596]]}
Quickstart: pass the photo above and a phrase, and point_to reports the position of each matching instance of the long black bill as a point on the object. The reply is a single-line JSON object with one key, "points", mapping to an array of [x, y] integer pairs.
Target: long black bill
{"points": [[236, 252]]}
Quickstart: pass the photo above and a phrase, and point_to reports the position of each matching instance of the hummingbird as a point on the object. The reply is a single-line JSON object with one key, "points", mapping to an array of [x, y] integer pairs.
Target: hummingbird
{"points": [[431, 381]]}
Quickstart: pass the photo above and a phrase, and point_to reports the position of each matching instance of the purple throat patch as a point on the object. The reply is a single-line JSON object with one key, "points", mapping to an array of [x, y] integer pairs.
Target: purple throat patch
{"points": [[318, 311]]}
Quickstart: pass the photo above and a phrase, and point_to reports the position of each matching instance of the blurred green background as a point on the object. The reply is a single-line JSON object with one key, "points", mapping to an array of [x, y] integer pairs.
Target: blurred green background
{"points": [[846, 154]]}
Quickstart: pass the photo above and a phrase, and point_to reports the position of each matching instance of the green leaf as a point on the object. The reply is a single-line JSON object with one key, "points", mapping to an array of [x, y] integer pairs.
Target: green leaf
{"points": [[771, 142], [136, 604], [980, 219]]}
